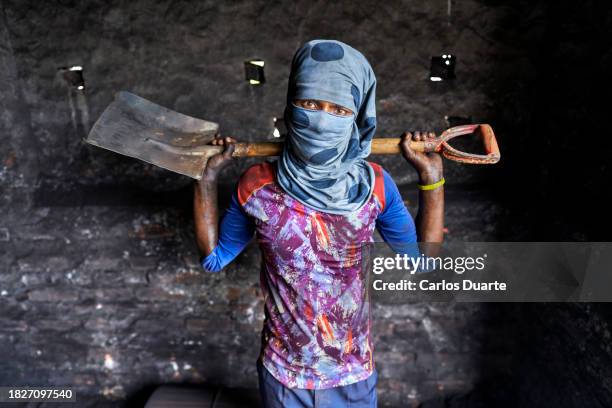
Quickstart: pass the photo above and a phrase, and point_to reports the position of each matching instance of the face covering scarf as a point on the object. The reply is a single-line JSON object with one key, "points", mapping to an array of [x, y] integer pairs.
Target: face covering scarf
{"points": [[323, 163]]}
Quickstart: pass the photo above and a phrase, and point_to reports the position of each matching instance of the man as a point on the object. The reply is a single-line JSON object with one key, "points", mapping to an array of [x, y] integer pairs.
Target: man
{"points": [[311, 211]]}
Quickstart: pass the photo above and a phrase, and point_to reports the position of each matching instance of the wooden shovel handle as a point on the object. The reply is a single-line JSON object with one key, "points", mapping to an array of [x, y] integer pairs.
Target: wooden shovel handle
{"points": [[379, 146], [392, 146]]}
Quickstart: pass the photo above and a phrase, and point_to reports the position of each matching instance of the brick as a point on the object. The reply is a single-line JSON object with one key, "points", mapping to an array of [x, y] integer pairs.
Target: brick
{"points": [[135, 277], [382, 327], [154, 294], [35, 279], [103, 263], [199, 325], [233, 294], [5, 235], [447, 386], [159, 325], [57, 324], [396, 364], [26, 266], [84, 380], [33, 236], [143, 263], [8, 325], [54, 295], [152, 231], [99, 324], [114, 294], [57, 263], [79, 277], [189, 277], [112, 278], [451, 366]]}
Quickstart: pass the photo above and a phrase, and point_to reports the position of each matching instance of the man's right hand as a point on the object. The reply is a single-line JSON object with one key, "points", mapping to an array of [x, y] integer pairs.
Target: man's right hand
{"points": [[217, 162]]}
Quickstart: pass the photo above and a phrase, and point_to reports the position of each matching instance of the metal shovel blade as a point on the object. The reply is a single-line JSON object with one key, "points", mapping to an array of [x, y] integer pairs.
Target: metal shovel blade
{"points": [[136, 127]]}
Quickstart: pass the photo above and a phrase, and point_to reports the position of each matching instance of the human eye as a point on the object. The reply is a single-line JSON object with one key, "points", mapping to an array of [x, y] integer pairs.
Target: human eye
{"points": [[339, 110], [306, 104], [309, 104]]}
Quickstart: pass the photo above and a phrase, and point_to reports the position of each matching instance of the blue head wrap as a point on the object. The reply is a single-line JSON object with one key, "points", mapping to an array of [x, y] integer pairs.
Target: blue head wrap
{"points": [[323, 164]]}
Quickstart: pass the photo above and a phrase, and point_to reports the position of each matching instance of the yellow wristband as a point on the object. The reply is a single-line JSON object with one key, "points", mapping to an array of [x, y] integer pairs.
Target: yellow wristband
{"points": [[431, 186]]}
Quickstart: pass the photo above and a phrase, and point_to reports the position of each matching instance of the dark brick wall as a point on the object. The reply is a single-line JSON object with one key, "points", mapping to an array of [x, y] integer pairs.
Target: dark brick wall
{"points": [[99, 283]]}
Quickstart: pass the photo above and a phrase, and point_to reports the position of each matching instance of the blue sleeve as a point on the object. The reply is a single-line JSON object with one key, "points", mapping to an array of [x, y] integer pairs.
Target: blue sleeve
{"points": [[235, 231], [394, 223]]}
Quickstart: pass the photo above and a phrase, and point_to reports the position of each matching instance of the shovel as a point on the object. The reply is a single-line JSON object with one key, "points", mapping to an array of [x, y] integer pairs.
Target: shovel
{"points": [[136, 127]]}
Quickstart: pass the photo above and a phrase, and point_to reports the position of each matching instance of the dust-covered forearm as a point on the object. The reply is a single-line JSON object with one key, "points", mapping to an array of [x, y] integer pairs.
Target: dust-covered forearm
{"points": [[205, 209], [206, 215], [430, 216]]}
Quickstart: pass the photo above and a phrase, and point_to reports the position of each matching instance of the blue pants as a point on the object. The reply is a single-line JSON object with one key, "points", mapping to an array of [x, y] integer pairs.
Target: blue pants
{"points": [[274, 394]]}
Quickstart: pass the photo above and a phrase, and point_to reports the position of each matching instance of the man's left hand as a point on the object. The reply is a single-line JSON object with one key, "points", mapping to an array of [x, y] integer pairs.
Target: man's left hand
{"points": [[428, 165]]}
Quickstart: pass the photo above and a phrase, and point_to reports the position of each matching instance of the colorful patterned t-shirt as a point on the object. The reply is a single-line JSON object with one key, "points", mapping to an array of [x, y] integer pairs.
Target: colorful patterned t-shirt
{"points": [[317, 323]]}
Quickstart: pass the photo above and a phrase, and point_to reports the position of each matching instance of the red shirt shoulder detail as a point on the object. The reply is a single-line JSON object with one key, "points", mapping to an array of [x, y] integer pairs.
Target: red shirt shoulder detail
{"points": [[254, 178], [379, 184]]}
